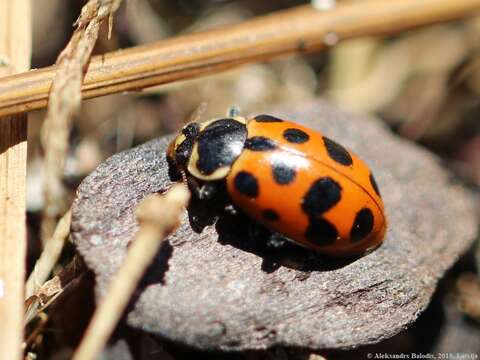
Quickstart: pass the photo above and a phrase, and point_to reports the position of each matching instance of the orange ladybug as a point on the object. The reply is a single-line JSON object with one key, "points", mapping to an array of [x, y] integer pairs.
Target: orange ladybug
{"points": [[291, 179]]}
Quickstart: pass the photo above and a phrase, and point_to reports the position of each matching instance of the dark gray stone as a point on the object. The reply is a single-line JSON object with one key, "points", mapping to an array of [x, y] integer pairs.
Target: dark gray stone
{"points": [[214, 288]]}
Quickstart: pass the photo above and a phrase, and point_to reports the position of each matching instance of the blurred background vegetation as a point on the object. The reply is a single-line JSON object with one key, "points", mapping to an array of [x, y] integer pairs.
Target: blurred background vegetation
{"points": [[425, 85]]}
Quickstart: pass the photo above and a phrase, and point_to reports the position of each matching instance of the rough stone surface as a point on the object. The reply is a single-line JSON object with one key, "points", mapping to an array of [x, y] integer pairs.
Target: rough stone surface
{"points": [[212, 287]]}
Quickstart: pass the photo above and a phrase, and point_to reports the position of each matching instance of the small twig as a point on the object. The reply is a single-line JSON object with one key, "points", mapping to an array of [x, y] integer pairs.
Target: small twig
{"points": [[64, 102], [49, 257], [300, 29], [53, 288], [59, 287], [158, 216]]}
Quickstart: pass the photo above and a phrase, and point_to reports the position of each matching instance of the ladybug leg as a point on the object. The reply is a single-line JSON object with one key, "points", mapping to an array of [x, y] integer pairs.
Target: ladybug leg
{"points": [[230, 209], [205, 191], [275, 240], [257, 232], [271, 239]]}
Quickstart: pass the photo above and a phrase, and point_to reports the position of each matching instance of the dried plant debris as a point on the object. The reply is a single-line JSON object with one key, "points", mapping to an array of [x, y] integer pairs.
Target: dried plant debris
{"points": [[64, 103], [212, 287]]}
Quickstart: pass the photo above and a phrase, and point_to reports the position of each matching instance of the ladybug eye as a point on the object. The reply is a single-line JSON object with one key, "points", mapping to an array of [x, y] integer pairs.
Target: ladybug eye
{"points": [[191, 131], [183, 152]]}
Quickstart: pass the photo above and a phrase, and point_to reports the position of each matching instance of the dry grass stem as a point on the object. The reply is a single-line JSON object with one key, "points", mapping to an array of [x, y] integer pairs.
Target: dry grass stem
{"points": [[300, 29], [36, 328], [49, 257], [15, 49], [64, 102], [53, 288], [158, 216]]}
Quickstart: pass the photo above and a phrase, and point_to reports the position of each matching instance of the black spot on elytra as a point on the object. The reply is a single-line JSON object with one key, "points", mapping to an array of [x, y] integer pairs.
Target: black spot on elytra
{"points": [[283, 173], [260, 143], [295, 136], [337, 152], [246, 184], [219, 144], [267, 118], [374, 184], [322, 195], [270, 215], [321, 232], [362, 226]]}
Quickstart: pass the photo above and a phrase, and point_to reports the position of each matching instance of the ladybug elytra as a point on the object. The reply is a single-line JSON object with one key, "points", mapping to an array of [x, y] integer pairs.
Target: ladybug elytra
{"points": [[290, 179]]}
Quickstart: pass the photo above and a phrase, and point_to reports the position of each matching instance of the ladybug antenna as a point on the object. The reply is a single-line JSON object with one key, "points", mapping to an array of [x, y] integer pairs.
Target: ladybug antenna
{"points": [[233, 111], [199, 111]]}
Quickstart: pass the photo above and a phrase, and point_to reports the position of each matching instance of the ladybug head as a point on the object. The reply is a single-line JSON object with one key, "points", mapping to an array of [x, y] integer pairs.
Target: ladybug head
{"points": [[181, 147]]}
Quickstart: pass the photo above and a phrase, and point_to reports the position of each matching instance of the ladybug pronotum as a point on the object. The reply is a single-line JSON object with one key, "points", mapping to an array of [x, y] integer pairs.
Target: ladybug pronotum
{"points": [[292, 180]]}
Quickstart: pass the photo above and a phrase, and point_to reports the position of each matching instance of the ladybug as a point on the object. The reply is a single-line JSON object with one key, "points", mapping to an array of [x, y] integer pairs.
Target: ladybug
{"points": [[292, 180]]}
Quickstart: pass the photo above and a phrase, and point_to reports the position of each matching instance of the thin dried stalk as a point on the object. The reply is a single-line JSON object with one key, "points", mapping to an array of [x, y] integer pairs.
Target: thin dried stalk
{"points": [[49, 295], [64, 103], [49, 257], [300, 29], [52, 289], [15, 48], [158, 216]]}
